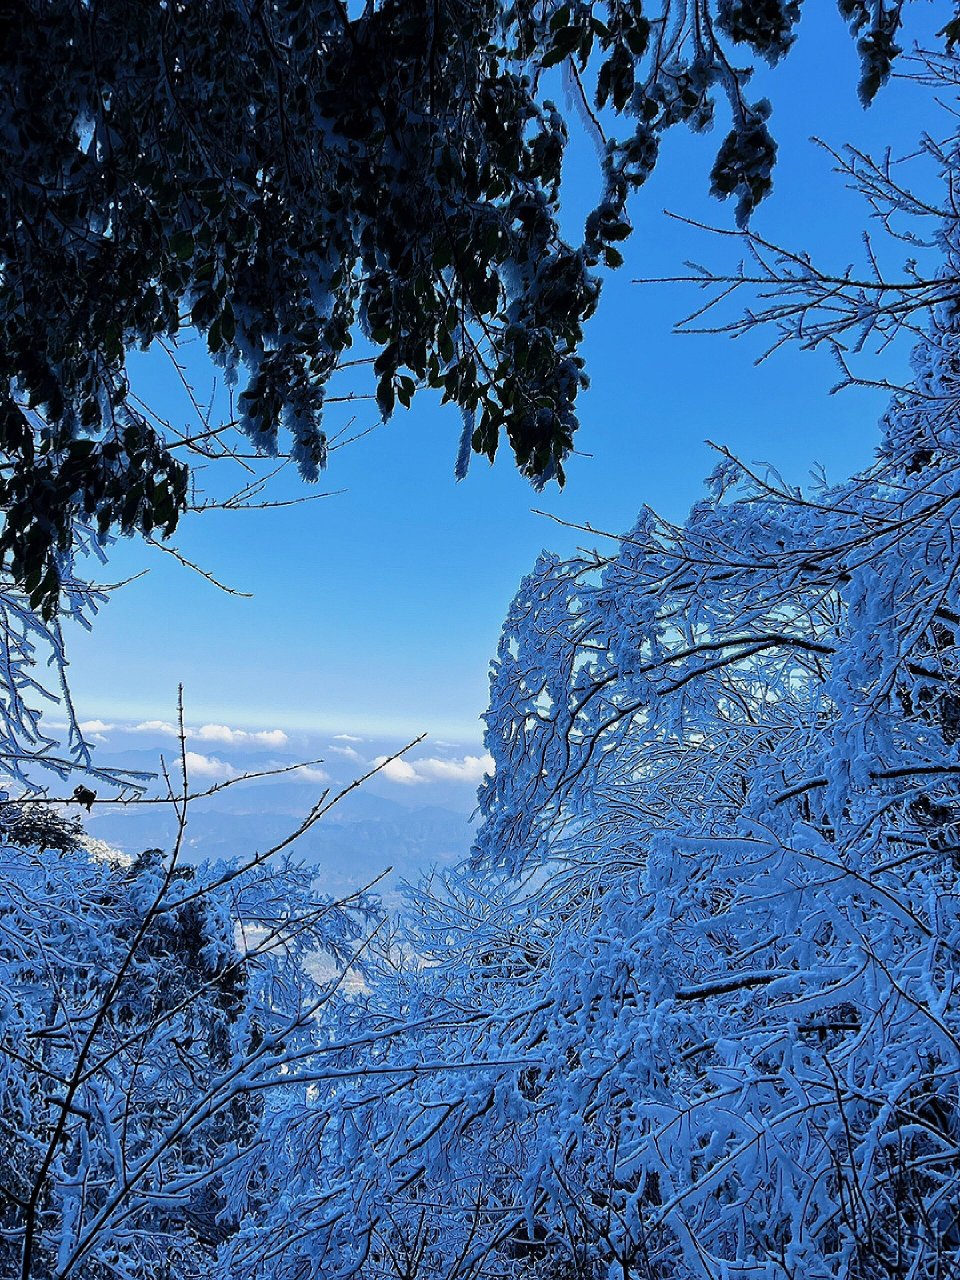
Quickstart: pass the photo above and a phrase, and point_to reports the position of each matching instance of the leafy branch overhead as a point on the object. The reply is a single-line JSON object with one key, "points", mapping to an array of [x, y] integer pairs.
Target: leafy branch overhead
{"points": [[284, 178]]}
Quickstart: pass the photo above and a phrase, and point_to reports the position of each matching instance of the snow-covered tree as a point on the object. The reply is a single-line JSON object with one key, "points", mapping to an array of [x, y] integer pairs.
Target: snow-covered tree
{"points": [[148, 1011], [33, 675], [690, 1010]]}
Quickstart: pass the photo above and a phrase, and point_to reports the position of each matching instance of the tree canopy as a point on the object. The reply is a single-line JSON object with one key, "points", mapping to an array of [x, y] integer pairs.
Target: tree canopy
{"points": [[285, 177], [690, 1009]]}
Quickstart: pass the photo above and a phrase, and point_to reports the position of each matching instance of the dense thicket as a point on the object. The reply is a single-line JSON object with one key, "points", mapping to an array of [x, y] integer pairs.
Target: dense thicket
{"points": [[284, 176], [147, 1012], [690, 1010]]}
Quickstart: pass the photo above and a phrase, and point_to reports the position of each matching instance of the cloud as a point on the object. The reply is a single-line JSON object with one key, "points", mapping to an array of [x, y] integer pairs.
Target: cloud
{"points": [[432, 769], [217, 733], [239, 737], [346, 737], [310, 773], [466, 769], [95, 729], [397, 771], [95, 726], [200, 766], [156, 726], [349, 753]]}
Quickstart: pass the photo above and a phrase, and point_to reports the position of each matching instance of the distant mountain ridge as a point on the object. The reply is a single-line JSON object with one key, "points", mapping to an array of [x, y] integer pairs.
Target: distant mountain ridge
{"points": [[358, 839]]}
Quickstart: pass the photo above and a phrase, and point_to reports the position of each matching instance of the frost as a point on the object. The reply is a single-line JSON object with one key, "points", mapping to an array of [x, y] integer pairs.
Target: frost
{"points": [[689, 1010]]}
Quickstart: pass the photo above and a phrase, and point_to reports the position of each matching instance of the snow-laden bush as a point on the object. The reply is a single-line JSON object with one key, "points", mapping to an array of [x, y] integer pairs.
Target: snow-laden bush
{"points": [[691, 1008], [149, 1016]]}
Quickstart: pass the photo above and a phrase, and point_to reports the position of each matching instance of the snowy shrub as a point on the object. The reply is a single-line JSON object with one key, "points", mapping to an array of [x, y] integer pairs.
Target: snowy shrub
{"points": [[149, 1014], [690, 1009]]}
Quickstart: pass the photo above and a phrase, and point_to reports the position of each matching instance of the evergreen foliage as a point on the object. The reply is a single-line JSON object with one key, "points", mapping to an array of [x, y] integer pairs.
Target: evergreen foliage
{"points": [[283, 177]]}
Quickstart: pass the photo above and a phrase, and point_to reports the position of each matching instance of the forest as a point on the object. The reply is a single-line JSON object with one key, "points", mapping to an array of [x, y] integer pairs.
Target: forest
{"points": [[689, 1007]]}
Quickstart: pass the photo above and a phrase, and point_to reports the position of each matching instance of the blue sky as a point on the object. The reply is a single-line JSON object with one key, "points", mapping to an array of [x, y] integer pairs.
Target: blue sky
{"points": [[376, 611]]}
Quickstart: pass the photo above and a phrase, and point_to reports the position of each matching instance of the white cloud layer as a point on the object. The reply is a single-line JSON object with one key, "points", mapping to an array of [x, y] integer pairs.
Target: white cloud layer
{"points": [[201, 766], [156, 726], [348, 753], [397, 771], [239, 737], [346, 737], [466, 769], [95, 726], [470, 769], [311, 773], [217, 733]]}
